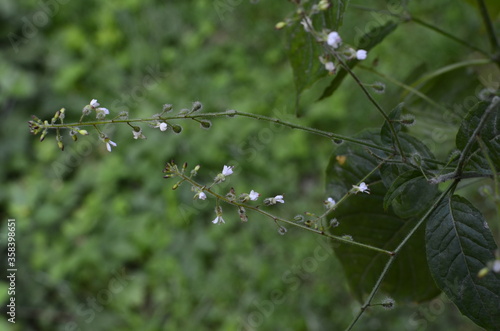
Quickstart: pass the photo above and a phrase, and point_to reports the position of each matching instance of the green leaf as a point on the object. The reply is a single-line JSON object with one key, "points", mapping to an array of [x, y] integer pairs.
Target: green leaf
{"points": [[459, 244], [410, 195], [304, 50], [418, 152], [363, 217], [367, 42], [490, 134]]}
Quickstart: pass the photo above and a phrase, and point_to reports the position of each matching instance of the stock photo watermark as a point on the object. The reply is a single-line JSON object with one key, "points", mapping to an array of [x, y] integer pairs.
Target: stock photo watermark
{"points": [[87, 311]]}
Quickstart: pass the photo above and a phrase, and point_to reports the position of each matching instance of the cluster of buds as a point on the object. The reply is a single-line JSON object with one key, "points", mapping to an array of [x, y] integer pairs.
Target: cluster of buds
{"points": [[36, 126]]}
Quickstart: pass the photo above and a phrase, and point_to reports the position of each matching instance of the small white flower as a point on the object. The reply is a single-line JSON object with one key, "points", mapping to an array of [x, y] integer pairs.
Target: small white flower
{"points": [[361, 54], [101, 112], [110, 143], [253, 195], [306, 23], [334, 39], [329, 203], [218, 220], [330, 66], [162, 125], [202, 196], [138, 134], [279, 198], [496, 266], [363, 188], [94, 103], [227, 170]]}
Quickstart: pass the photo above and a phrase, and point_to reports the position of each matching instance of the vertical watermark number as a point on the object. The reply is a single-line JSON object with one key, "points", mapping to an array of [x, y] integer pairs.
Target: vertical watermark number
{"points": [[11, 269]]}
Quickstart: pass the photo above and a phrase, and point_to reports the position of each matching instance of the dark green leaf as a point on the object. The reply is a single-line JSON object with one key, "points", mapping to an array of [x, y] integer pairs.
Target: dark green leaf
{"points": [[490, 135], [363, 217], [418, 153], [459, 244], [367, 42], [410, 195]]}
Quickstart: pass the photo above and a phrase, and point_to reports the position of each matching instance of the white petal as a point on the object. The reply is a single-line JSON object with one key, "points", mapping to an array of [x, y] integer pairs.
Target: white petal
{"points": [[253, 195], [334, 39], [94, 103], [227, 170], [361, 54], [104, 110], [163, 126]]}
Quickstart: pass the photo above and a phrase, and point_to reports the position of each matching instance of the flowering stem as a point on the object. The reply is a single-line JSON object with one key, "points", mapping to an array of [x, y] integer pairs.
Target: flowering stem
{"points": [[327, 134], [278, 219], [393, 257], [349, 193]]}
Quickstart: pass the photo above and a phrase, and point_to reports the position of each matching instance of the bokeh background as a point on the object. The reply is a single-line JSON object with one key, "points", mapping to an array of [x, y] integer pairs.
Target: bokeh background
{"points": [[103, 243]]}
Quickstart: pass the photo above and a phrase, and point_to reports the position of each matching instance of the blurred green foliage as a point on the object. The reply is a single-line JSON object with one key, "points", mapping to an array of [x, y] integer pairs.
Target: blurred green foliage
{"points": [[103, 243]]}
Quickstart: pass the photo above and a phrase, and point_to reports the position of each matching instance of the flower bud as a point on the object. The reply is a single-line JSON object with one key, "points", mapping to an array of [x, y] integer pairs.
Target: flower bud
{"points": [[123, 115], [205, 124], [483, 272], [408, 120], [378, 87], [83, 132], [299, 218], [388, 303], [196, 106], [60, 145], [176, 128], [282, 230], [280, 25], [87, 110], [334, 223], [166, 108]]}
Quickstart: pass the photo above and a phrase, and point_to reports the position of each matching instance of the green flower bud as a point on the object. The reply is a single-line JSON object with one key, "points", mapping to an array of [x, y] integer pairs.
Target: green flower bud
{"points": [[176, 128], [205, 124], [280, 25], [196, 106]]}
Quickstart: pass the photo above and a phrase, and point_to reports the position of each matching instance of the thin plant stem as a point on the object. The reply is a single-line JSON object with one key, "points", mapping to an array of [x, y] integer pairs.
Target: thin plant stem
{"points": [[392, 258], [406, 87], [448, 35], [448, 68], [279, 219], [465, 152], [489, 26], [373, 101]]}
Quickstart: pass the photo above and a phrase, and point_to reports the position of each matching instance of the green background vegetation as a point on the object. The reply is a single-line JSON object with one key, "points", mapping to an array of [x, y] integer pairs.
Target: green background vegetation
{"points": [[86, 217]]}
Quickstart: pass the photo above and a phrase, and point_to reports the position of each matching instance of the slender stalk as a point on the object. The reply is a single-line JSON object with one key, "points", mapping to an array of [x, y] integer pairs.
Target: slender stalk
{"points": [[489, 25], [406, 87], [278, 219], [392, 258], [448, 35], [449, 68], [373, 101], [291, 125]]}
